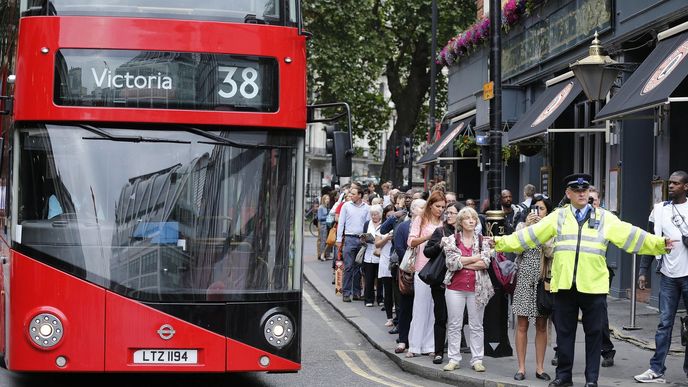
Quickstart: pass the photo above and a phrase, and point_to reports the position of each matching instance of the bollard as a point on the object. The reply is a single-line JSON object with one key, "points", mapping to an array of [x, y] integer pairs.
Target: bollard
{"points": [[631, 326]]}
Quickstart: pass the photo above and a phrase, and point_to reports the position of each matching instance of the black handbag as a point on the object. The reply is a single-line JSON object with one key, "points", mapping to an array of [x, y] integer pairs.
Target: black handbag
{"points": [[545, 299], [434, 271]]}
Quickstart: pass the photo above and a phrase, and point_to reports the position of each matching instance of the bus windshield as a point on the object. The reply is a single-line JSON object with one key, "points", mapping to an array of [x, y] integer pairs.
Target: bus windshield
{"points": [[163, 214], [255, 11]]}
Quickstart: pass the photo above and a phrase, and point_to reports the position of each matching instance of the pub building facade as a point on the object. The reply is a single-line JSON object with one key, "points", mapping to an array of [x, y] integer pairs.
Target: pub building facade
{"points": [[629, 141]]}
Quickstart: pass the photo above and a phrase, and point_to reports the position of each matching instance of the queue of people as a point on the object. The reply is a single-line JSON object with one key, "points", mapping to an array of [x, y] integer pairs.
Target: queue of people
{"points": [[561, 250]]}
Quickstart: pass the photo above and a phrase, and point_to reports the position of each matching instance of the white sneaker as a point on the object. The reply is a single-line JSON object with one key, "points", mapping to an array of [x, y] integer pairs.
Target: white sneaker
{"points": [[451, 366], [649, 376]]}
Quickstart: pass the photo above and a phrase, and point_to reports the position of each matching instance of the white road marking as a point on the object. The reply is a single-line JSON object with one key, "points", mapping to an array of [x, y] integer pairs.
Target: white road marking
{"points": [[327, 320], [358, 371]]}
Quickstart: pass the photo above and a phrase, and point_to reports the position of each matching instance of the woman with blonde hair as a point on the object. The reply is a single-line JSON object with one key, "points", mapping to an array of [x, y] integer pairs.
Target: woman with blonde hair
{"points": [[421, 334], [468, 287]]}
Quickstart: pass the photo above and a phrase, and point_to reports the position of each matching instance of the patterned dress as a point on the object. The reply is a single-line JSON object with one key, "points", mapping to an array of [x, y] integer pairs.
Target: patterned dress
{"points": [[525, 296]]}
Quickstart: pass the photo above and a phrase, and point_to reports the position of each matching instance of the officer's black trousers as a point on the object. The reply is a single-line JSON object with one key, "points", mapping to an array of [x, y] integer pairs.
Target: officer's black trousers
{"points": [[565, 315]]}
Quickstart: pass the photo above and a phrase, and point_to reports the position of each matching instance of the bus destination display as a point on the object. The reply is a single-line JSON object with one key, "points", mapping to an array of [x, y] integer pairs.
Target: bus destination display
{"points": [[165, 80]]}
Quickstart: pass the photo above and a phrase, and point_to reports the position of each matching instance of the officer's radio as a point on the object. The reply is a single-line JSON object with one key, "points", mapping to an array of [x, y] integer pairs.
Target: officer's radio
{"points": [[593, 222]]}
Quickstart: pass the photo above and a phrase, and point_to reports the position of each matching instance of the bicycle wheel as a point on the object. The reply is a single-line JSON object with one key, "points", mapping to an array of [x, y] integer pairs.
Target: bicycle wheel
{"points": [[313, 228]]}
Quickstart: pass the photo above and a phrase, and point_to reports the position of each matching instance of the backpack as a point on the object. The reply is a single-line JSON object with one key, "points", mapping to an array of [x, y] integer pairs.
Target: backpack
{"points": [[505, 272]]}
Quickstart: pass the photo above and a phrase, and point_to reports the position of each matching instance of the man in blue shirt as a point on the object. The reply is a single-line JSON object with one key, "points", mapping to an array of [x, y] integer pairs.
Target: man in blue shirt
{"points": [[353, 216]]}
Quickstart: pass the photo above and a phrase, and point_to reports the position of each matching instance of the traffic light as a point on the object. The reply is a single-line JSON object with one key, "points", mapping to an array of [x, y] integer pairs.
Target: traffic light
{"points": [[329, 139], [397, 156], [407, 150], [338, 144]]}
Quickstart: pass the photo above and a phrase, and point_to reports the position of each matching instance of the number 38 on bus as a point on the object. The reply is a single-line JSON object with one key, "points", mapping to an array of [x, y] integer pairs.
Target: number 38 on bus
{"points": [[150, 184]]}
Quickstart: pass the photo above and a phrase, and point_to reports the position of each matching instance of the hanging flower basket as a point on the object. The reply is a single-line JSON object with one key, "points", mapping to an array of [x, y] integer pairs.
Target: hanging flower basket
{"points": [[466, 145], [478, 34]]}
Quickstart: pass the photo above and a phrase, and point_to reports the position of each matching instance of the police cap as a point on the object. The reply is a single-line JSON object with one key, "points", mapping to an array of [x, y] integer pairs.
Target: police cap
{"points": [[578, 181]]}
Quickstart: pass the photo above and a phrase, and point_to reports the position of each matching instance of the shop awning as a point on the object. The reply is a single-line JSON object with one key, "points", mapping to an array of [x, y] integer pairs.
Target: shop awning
{"points": [[653, 82], [445, 141], [545, 110]]}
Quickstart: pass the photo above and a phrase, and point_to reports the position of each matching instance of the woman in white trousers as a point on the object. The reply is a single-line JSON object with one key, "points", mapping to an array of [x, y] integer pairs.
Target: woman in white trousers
{"points": [[468, 286], [421, 333]]}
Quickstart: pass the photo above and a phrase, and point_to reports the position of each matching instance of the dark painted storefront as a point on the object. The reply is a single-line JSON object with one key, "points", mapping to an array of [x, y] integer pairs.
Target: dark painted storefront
{"points": [[623, 154]]}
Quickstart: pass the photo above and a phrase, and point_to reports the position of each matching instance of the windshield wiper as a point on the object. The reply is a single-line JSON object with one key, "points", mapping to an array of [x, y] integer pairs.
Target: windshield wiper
{"points": [[219, 140], [105, 135]]}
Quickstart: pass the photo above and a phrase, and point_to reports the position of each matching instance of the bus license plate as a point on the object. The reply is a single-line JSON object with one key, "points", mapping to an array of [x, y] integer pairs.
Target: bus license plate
{"points": [[166, 356]]}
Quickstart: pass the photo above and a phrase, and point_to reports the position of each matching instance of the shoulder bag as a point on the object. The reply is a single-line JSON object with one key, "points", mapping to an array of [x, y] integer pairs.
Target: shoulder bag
{"points": [[393, 260], [361, 253], [434, 271], [332, 237], [408, 263], [505, 272], [405, 282], [544, 298]]}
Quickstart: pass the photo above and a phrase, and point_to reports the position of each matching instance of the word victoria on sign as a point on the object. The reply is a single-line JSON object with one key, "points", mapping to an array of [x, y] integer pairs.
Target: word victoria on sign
{"points": [[129, 81]]}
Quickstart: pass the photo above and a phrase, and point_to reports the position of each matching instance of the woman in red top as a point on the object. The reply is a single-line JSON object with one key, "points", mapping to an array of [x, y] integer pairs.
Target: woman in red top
{"points": [[468, 286]]}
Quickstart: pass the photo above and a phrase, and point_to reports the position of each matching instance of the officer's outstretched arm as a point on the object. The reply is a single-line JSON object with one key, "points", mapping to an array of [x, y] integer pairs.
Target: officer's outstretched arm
{"points": [[630, 238], [528, 237]]}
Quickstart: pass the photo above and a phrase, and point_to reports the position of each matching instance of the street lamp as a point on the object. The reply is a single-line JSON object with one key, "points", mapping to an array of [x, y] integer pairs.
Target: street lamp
{"points": [[596, 72]]}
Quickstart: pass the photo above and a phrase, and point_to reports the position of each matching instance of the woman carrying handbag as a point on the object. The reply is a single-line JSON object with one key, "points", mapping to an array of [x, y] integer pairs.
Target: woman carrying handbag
{"points": [[433, 250], [530, 268], [371, 260], [468, 287], [421, 336]]}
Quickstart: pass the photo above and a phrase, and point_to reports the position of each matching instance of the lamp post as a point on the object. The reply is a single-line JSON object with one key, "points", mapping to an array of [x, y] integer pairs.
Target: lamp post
{"points": [[495, 216], [596, 72], [433, 83]]}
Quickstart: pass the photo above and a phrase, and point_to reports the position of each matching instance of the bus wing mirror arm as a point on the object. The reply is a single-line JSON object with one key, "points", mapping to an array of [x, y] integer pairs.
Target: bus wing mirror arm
{"points": [[6, 104]]}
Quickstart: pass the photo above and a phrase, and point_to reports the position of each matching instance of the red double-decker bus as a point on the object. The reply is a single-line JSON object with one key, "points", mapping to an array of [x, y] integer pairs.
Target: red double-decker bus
{"points": [[151, 185]]}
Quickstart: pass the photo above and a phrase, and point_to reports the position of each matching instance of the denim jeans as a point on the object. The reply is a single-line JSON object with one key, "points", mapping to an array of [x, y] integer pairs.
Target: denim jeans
{"points": [[670, 292], [352, 270]]}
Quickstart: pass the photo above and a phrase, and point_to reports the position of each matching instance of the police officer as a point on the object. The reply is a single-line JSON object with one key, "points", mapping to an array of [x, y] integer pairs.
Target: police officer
{"points": [[580, 279]]}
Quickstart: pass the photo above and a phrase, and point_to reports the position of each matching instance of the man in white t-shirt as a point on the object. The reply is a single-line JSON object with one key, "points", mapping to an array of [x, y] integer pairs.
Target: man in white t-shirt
{"points": [[669, 219]]}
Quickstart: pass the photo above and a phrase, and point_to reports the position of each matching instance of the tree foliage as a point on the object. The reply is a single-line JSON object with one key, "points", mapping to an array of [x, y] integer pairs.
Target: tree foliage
{"points": [[356, 43]]}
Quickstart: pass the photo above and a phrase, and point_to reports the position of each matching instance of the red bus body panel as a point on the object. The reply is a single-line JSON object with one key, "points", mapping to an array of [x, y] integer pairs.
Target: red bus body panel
{"points": [[36, 287], [131, 326], [242, 358], [36, 71], [103, 329]]}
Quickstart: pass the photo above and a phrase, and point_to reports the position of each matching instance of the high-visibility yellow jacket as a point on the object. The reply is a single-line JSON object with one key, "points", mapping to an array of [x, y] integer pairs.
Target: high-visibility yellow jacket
{"points": [[579, 249]]}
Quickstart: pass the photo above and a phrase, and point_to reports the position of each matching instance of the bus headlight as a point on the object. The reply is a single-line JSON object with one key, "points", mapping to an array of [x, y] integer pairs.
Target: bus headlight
{"points": [[45, 330], [278, 330]]}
